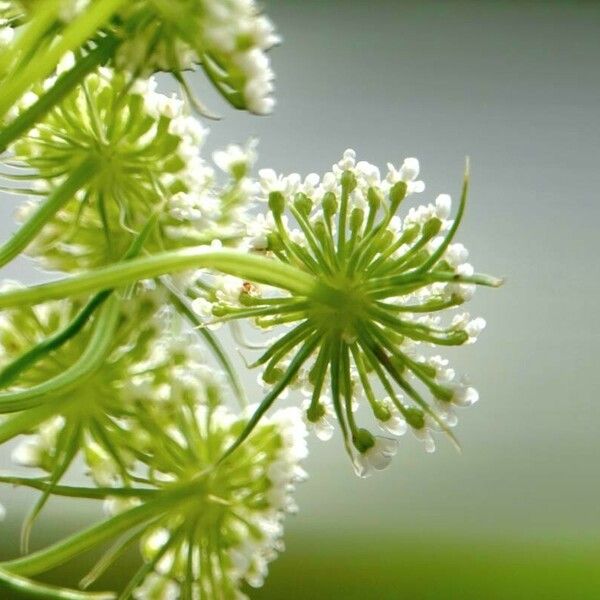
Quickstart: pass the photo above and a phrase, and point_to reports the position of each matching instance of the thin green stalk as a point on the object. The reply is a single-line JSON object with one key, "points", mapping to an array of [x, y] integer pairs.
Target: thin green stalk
{"points": [[94, 493], [61, 552], [437, 255], [219, 353], [295, 365], [25, 421], [59, 197], [11, 583], [53, 342], [36, 27], [12, 370], [232, 262]]}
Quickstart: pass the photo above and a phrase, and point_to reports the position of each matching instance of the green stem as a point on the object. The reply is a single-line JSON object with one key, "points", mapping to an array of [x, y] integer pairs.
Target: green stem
{"points": [[247, 266], [11, 371], [95, 493], [61, 552], [437, 255], [295, 365], [25, 421], [93, 356], [23, 237], [186, 311], [74, 35], [11, 583], [64, 84], [53, 342], [37, 26]]}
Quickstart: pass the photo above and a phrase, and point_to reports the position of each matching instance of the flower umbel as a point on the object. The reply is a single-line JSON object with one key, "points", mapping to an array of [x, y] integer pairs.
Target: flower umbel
{"points": [[104, 160], [232, 527], [379, 282]]}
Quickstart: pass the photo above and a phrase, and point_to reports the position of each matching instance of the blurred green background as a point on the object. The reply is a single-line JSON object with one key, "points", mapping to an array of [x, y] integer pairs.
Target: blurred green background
{"points": [[515, 85]]}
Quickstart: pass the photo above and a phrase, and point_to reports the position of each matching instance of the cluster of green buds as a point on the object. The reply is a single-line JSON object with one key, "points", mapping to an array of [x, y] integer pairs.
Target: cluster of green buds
{"points": [[378, 283]]}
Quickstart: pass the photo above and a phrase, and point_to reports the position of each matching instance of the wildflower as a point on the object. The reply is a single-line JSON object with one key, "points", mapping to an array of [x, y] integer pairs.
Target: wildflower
{"points": [[379, 282], [103, 161], [231, 527]]}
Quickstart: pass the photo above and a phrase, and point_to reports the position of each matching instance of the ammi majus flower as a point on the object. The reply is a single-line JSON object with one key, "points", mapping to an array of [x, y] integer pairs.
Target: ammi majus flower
{"points": [[380, 284]]}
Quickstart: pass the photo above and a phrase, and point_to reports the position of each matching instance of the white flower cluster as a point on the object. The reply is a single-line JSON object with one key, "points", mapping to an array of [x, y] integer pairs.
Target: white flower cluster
{"points": [[230, 38], [245, 501], [412, 268], [145, 153], [236, 29]]}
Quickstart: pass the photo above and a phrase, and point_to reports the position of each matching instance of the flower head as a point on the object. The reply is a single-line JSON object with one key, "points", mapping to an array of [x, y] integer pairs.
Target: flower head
{"points": [[231, 527], [379, 283], [109, 156]]}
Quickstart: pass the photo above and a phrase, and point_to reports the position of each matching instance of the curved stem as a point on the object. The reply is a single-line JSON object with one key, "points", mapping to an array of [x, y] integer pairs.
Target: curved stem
{"points": [[24, 236], [94, 493], [82, 541], [295, 365], [22, 362], [218, 351], [32, 589], [12, 370], [59, 553], [437, 255], [232, 262]]}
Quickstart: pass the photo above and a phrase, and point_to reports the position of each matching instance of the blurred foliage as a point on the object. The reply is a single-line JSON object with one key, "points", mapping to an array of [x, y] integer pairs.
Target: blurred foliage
{"points": [[346, 567]]}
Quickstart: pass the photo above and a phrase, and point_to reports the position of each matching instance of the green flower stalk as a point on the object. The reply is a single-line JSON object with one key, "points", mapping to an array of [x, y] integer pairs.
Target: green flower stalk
{"points": [[101, 161], [379, 282]]}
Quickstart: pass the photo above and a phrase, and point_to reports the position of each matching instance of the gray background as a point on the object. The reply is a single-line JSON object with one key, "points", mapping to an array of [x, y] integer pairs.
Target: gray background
{"points": [[515, 86]]}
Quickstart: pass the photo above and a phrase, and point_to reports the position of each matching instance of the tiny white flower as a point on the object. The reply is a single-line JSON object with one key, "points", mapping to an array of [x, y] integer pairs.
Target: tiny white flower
{"points": [[408, 173], [474, 328], [456, 254], [396, 424], [348, 160], [378, 457], [464, 395], [323, 427], [443, 205]]}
